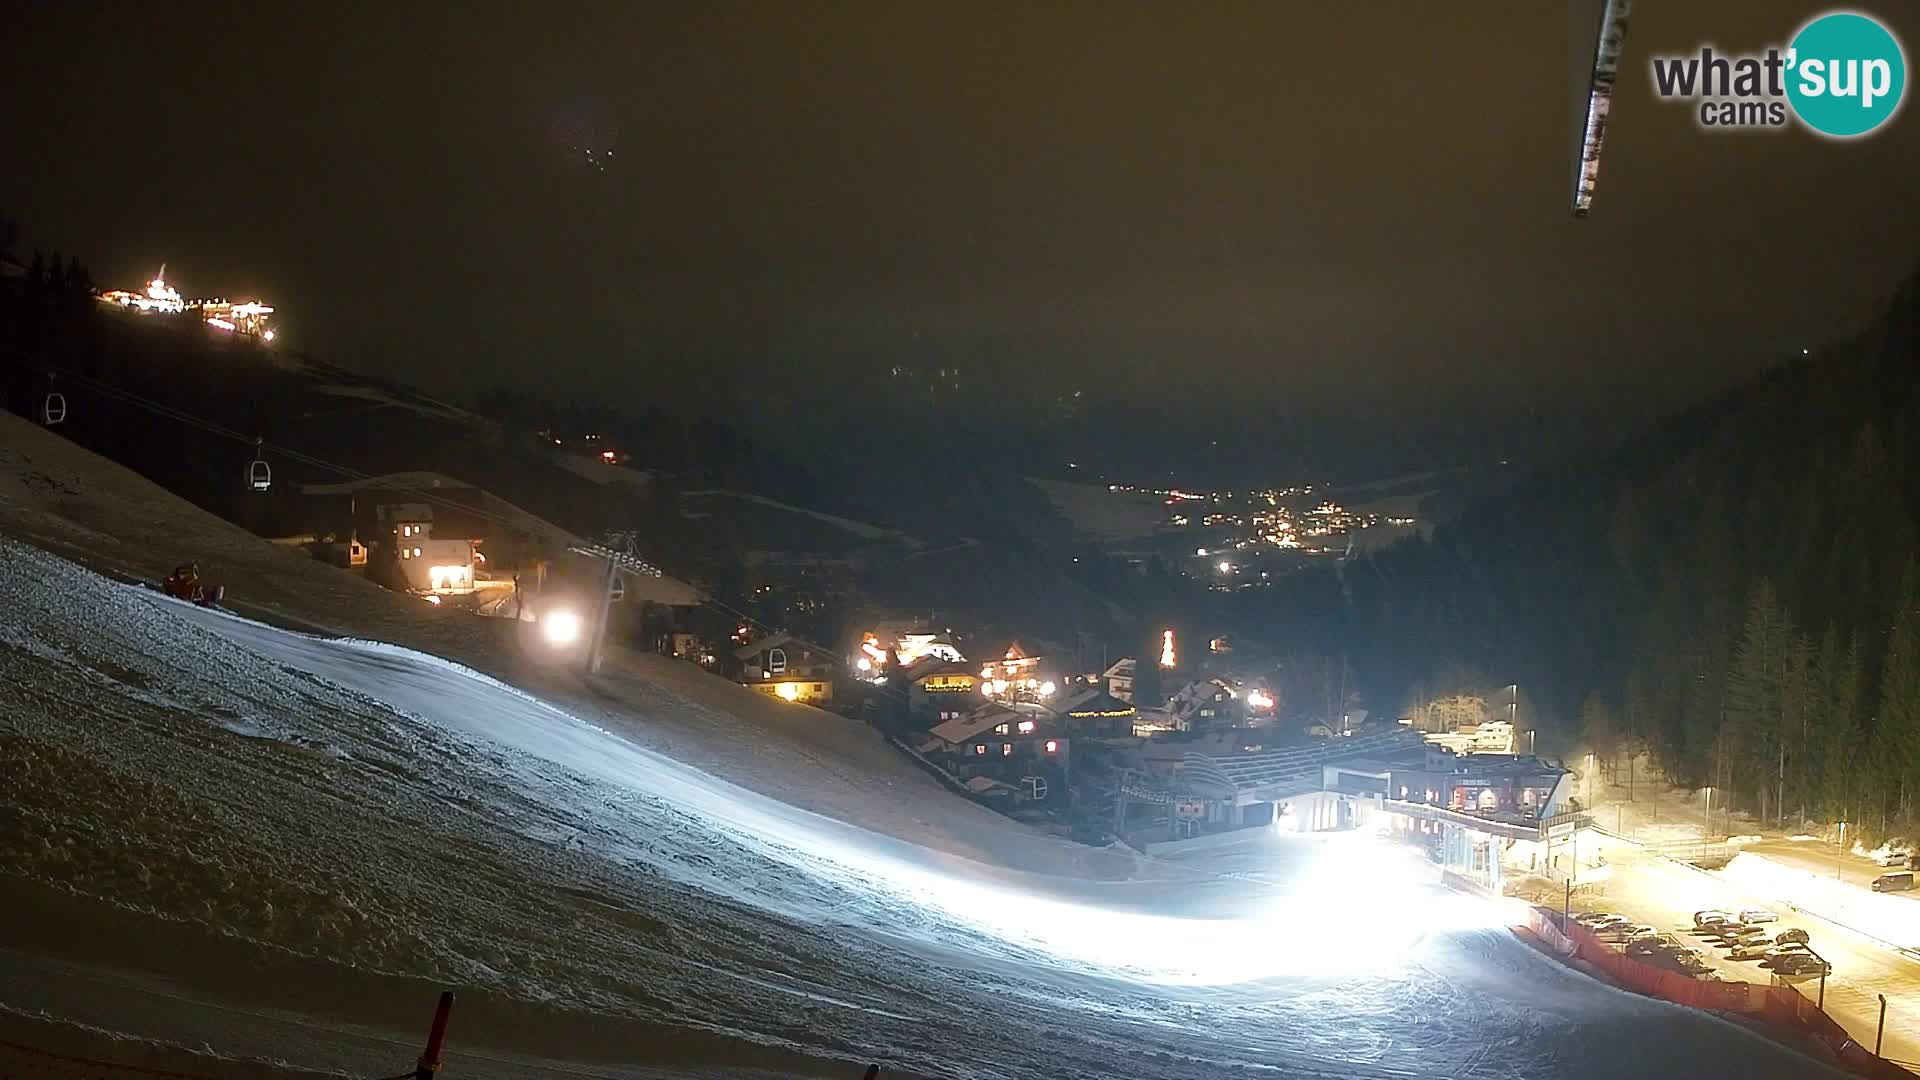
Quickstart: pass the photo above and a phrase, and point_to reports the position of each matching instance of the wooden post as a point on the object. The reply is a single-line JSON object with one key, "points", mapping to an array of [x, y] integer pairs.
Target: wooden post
{"points": [[430, 1059], [1882, 1030]]}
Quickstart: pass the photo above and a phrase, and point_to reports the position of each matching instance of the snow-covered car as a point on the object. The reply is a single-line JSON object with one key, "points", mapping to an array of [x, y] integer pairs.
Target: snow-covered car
{"points": [[1752, 915], [1895, 857], [1791, 934], [1591, 919], [1711, 918]]}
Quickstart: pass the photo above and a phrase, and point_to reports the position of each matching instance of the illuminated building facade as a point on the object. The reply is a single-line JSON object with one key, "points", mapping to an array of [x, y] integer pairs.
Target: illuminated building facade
{"points": [[783, 667], [1017, 676]]}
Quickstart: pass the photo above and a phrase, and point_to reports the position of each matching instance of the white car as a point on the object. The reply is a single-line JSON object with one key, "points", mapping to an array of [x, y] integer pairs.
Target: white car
{"points": [[1595, 918], [1704, 919], [1623, 931], [1756, 915]]}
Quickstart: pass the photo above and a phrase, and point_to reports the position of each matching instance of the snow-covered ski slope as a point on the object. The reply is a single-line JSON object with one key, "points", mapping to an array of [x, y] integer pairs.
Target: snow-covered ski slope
{"points": [[331, 802]]}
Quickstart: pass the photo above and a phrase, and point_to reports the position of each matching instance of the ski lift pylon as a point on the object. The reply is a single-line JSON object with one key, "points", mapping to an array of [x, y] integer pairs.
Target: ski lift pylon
{"points": [[259, 474]]}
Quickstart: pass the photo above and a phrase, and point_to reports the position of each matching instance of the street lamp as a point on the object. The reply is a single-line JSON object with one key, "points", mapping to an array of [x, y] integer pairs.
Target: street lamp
{"points": [[1709, 797]]}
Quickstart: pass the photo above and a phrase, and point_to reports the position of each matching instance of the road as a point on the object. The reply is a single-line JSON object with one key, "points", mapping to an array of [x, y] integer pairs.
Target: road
{"points": [[1825, 860]]}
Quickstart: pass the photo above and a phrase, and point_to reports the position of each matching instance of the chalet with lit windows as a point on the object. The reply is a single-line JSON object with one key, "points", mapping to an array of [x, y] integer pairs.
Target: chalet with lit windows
{"points": [[1017, 676], [783, 667], [997, 743], [428, 563], [1203, 704]]}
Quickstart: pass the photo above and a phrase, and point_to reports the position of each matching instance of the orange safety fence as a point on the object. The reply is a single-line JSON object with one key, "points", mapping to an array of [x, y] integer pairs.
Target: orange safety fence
{"points": [[1782, 1006]]}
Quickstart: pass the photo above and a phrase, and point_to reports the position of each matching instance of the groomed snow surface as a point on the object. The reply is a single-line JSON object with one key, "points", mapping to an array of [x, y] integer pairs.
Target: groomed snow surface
{"points": [[366, 810]]}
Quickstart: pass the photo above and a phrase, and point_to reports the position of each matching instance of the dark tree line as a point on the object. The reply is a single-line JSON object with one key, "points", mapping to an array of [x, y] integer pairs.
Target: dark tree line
{"points": [[1732, 590]]}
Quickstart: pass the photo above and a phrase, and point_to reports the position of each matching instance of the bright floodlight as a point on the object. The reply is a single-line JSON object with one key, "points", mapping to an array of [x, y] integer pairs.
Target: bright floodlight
{"points": [[561, 627]]}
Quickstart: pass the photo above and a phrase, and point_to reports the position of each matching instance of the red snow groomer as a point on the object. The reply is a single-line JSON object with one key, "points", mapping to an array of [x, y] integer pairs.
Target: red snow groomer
{"points": [[185, 584]]}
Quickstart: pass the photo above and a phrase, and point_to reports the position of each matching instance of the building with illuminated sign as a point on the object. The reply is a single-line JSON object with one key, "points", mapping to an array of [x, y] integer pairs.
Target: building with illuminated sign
{"points": [[939, 690]]}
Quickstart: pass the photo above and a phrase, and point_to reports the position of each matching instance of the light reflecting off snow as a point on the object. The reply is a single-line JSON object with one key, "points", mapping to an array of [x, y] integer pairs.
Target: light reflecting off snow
{"points": [[393, 813], [1889, 917]]}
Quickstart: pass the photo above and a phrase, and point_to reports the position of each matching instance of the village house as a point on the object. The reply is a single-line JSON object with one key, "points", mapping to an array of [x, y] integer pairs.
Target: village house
{"points": [[997, 743], [783, 667], [1204, 704], [1095, 713], [940, 690], [1119, 679]]}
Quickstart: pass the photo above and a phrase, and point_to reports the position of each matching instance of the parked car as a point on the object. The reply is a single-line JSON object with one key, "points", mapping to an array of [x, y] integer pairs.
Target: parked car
{"points": [[1801, 964], [1623, 931], [1752, 915], [1710, 918], [1646, 946], [1895, 857], [1749, 951], [1791, 934], [1901, 881], [1595, 918]]}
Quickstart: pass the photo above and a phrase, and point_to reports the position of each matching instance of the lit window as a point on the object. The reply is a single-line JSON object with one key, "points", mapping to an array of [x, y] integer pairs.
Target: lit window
{"points": [[1053, 747], [980, 749], [1006, 749], [416, 553], [1000, 730], [1026, 727]]}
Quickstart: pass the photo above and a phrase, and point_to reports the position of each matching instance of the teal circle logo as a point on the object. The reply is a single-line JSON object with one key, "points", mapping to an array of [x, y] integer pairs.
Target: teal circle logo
{"points": [[1845, 74]]}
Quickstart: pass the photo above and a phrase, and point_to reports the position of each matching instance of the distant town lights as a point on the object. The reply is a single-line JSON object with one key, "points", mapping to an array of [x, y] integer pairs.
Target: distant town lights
{"points": [[1166, 648]]}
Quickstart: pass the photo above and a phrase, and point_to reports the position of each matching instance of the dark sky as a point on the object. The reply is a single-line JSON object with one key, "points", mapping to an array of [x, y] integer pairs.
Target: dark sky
{"points": [[1359, 208]]}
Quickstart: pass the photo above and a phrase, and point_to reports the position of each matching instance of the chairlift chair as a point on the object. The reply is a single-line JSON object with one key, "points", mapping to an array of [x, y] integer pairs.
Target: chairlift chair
{"points": [[259, 475], [54, 409]]}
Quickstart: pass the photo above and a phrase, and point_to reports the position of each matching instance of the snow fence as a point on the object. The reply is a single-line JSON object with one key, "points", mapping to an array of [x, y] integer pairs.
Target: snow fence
{"points": [[1779, 1005]]}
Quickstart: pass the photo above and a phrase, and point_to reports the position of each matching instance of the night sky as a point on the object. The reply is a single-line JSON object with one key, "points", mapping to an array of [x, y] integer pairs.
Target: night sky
{"points": [[1359, 209]]}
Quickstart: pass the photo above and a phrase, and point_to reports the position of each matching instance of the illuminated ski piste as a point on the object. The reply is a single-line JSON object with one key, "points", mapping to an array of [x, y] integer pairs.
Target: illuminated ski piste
{"points": [[373, 806]]}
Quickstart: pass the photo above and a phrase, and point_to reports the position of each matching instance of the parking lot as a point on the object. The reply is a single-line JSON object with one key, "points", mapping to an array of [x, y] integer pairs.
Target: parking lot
{"points": [[1665, 895]]}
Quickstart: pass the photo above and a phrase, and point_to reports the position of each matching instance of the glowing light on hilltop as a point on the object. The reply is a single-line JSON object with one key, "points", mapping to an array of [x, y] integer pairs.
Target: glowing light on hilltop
{"points": [[269, 335], [161, 293], [788, 691], [1167, 658]]}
